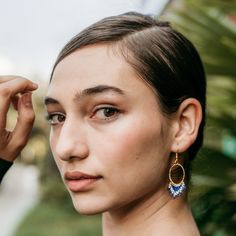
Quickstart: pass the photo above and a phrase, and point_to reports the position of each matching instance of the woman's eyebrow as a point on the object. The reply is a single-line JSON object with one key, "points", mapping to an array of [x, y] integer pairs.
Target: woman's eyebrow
{"points": [[49, 100], [97, 90], [86, 93]]}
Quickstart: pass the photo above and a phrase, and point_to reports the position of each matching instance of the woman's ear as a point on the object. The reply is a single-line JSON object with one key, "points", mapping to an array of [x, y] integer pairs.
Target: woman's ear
{"points": [[186, 124]]}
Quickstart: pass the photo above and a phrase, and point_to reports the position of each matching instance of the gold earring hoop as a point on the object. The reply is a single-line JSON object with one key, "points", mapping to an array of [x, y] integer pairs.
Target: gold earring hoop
{"points": [[176, 176]]}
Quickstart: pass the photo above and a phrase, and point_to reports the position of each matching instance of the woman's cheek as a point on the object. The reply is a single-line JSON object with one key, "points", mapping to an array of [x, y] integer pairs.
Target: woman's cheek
{"points": [[53, 142], [126, 142]]}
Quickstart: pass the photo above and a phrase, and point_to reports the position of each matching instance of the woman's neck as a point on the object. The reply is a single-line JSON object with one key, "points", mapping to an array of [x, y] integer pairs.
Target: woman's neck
{"points": [[156, 215]]}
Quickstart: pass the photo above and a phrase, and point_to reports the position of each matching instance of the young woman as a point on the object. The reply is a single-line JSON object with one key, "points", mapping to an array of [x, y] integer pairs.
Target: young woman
{"points": [[126, 104]]}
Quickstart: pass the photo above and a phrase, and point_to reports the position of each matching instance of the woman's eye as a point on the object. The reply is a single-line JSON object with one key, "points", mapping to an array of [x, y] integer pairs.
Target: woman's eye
{"points": [[55, 119], [106, 113]]}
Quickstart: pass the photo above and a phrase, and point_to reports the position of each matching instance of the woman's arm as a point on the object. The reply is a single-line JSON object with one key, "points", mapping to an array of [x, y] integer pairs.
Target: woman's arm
{"points": [[17, 91]]}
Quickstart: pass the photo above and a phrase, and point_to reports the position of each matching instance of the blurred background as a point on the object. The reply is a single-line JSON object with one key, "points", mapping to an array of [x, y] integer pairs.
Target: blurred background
{"points": [[33, 200]]}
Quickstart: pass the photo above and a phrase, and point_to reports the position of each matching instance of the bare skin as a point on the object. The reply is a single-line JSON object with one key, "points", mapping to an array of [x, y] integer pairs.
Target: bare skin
{"points": [[152, 218], [89, 136], [15, 90], [124, 148]]}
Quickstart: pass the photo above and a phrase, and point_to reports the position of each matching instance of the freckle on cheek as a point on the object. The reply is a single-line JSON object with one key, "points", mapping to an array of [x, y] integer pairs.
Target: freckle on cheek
{"points": [[137, 156]]}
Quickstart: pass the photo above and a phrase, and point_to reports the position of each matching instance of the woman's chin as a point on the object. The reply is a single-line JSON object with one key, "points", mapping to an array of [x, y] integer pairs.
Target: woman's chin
{"points": [[87, 210], [85, 207]]}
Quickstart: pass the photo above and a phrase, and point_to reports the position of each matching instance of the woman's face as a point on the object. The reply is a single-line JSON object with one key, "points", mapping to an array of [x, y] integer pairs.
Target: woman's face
{"points": [[108, 136]]}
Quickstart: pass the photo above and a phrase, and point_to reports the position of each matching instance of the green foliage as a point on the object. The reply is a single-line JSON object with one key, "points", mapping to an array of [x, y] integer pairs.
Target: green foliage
{"points": [[211, 26], [212, 32], [56, 219], [213, 199]]}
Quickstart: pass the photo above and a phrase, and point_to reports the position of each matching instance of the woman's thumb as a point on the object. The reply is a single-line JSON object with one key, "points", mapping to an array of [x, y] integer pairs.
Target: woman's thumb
{"points": [[26, 99]]}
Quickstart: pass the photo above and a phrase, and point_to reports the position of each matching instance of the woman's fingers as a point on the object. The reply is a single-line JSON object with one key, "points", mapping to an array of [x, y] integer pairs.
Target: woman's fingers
{"points": [[15, 90], [10, 87], [14, 101], [25, 121], [6, 78]]}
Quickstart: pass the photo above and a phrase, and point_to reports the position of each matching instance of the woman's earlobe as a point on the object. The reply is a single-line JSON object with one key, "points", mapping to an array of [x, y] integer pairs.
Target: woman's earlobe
{"points": [[188, 120]]}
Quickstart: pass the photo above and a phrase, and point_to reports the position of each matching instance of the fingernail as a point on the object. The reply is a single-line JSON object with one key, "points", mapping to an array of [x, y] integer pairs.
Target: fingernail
{"points": [[35, 85], [26, 99]]}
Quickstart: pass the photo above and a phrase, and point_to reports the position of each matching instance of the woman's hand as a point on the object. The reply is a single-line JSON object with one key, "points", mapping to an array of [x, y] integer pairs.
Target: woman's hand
{"points": [[15, 90]]}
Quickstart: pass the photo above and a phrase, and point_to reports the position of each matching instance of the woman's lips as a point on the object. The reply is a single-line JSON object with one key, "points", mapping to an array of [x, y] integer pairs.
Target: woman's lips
{"points": [[78, 181]]}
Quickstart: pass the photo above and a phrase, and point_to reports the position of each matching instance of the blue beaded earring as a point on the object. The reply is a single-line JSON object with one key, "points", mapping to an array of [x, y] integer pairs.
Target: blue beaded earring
{"points": [[176, 177]]}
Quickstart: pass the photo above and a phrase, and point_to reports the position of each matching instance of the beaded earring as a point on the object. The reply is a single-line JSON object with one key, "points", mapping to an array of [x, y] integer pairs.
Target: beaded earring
{"points": [[176, 177]]}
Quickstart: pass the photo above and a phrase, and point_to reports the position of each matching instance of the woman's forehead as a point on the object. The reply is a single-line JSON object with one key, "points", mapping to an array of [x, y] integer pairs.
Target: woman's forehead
{"points": [[94, 66], [95, 71], [91, 58]]}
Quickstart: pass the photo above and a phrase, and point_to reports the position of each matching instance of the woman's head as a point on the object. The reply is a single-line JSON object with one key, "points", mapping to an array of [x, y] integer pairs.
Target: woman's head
{"points": [[160, 55], [125, 93]]}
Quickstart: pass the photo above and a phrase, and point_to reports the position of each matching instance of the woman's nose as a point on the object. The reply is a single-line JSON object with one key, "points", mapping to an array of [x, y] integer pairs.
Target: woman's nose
{"points": [[71, 143]]}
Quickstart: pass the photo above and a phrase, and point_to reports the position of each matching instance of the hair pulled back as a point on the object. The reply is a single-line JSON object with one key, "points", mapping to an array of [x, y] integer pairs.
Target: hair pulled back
{"points": [[160, 55]]}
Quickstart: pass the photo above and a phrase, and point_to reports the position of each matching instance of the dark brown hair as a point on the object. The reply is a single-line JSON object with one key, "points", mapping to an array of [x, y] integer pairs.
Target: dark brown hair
{"points": [[160, 55]]}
